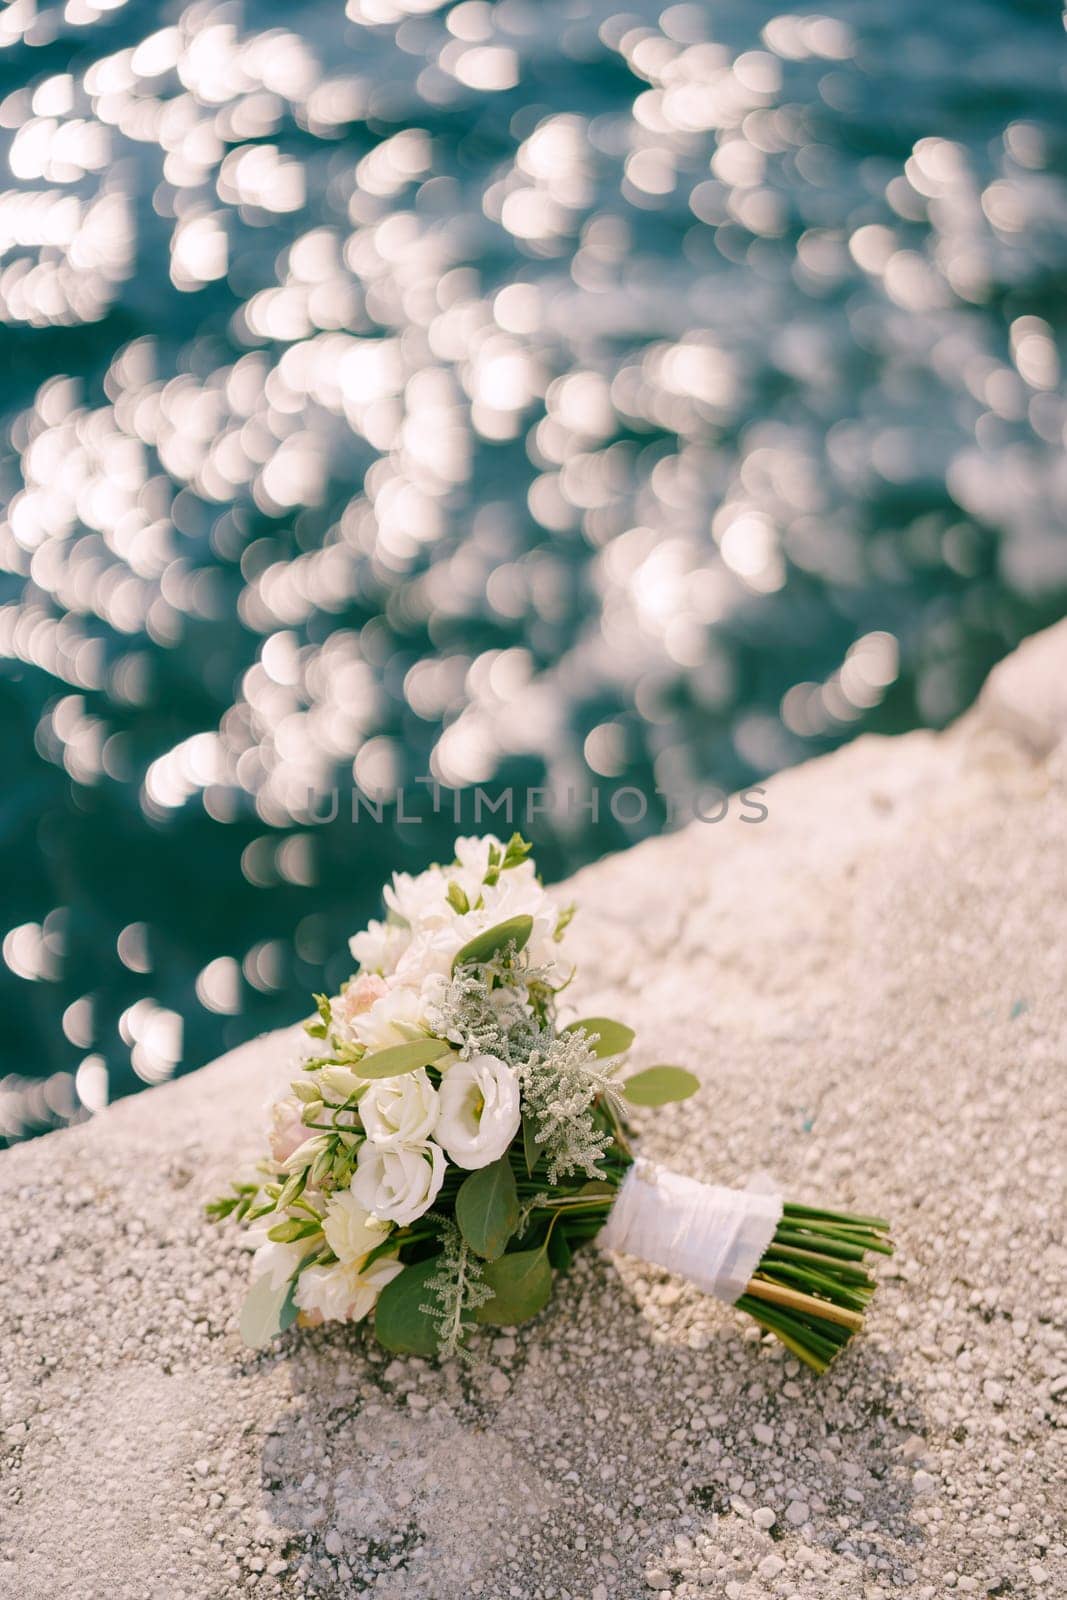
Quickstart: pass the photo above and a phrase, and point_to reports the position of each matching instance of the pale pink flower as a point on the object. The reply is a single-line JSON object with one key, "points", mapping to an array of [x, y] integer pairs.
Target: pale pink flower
{"points": [[360, 995], [286, 1132]]}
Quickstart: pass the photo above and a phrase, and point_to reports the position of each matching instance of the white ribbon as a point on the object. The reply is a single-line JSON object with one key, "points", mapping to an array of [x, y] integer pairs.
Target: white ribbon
{"points": [[714, 1237]]}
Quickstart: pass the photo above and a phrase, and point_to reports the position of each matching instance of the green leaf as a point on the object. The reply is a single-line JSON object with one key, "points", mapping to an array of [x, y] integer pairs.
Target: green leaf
{"points": [[400, 1324], [266, 1312], [400, 1058], [521, 1284], [487, 1208], [484, 946], [657, 1086], [530, 1147], [613, 1037], [560, 1253]]}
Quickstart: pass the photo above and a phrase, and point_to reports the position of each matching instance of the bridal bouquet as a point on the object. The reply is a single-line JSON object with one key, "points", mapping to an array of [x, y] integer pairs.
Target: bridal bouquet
{"points": [[452, 1143]]}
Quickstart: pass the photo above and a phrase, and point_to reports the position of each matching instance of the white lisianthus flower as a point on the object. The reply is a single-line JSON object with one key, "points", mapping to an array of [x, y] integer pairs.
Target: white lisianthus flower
{"points": [[351, 1232], [341, 1082], [379, 947], [343, 1293], [272, 1260], [399, 1111], [305, 1153], [398, 1184], [479, 1111]]}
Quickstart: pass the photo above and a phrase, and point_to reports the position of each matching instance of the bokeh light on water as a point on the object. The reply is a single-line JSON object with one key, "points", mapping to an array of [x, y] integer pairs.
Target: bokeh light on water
{"points": [[519, 394]]}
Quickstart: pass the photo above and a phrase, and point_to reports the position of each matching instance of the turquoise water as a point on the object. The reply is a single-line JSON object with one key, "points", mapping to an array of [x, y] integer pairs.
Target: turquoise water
{"points": [[530, 396]]}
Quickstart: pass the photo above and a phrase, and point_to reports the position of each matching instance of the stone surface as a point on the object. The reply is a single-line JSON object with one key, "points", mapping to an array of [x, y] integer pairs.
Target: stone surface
{"points": [[1027, 692], [870, 985]]}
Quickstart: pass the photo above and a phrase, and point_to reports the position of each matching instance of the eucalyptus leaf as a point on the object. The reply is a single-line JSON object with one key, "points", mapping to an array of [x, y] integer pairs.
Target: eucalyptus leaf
{"points": [[484, 946], [521, 1285], [613, 1037], [266, 1312], [400, 1058], [657, 1086], [400, 1324], [487, 1208]]}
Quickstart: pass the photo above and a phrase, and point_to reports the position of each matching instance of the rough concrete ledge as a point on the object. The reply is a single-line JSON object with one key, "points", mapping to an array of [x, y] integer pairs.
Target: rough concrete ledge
{"points": [[871, 986]]}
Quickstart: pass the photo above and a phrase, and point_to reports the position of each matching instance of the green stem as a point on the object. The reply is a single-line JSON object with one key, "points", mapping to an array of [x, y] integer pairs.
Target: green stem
{"points": [[877, 1224]]}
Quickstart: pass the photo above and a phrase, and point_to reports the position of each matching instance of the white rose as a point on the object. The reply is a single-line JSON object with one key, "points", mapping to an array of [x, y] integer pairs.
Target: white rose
{"points": [[398, 1111], [479, 1111], [351, 1232], [398, 1184], [343, 1293]]}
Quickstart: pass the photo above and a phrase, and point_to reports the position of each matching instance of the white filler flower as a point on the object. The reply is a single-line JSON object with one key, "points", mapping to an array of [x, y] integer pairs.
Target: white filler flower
{"points": [[343, 1293], [479, 1111], [399, 1111], [351, 1232], [398, 1184]]}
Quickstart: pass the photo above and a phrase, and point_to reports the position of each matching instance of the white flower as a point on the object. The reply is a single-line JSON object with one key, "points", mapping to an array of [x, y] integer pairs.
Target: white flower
{"points": [[398, 1016], [399, 1111], [479, 1111], [518, 894], [398, 1184], [430, 954], [341, 1082], [422, 900], [343, 1293], [350, 1230], [305, 1153], [472, 853], [272, 1260], [352, 1002], [379, 947]]}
